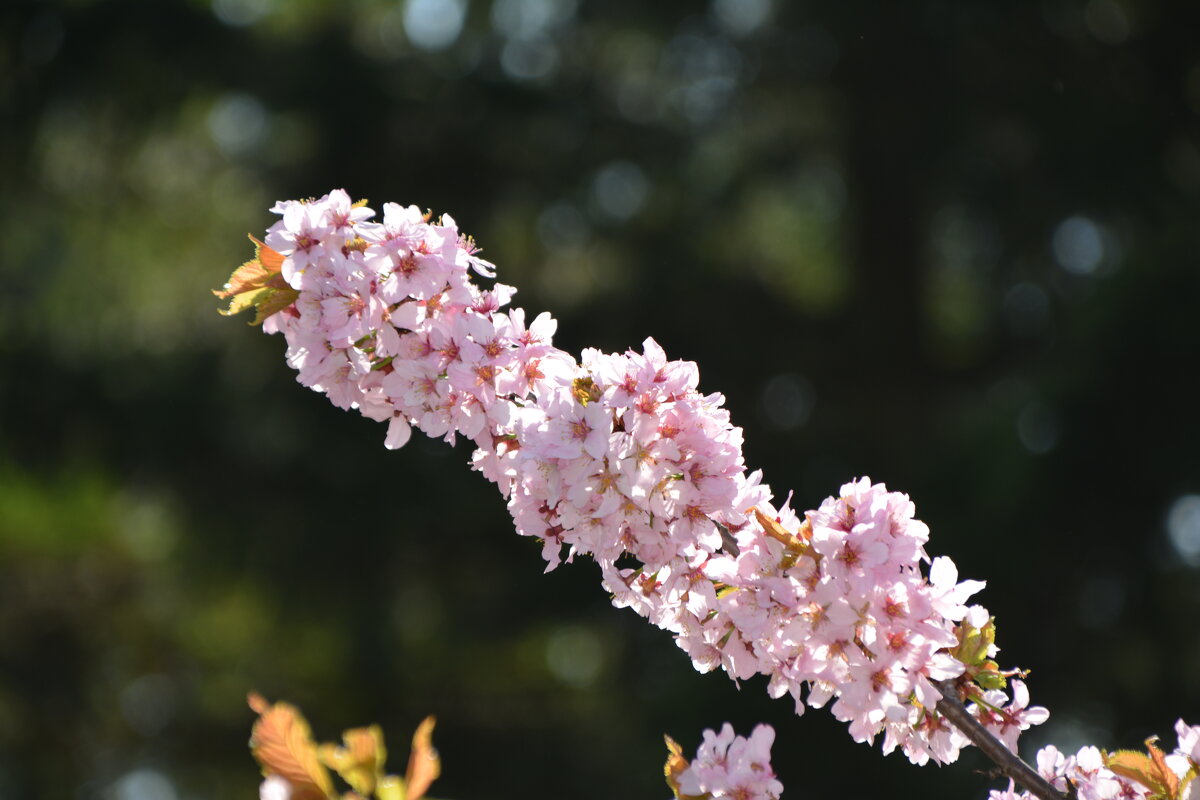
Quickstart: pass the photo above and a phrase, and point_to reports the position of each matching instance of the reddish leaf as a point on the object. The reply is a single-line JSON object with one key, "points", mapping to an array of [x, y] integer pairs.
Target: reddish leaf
{"points": [[271, 259], [281, 742], [1149, 769], [250, 275], [424, 766], [258, 284]]}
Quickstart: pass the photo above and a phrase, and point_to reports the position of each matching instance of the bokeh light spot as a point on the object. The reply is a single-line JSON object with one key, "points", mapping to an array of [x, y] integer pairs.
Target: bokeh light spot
{"points": [[1183, 528], [528, 19], [529, 59], [963, 240], [704, 73], [434, 24], [821, 190], [788, 400], [574, 656], [1078, 245], [148, 703], [562, 225], [620, 190], [1037, 428], [148, 531], [1106, 21], [741, 17], [1070, 733], [144, 784], [238, 124], [240, 13]]}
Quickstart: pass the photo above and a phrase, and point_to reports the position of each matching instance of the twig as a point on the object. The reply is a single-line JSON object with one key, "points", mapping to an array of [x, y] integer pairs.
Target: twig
{"points": [[1010, 763]]}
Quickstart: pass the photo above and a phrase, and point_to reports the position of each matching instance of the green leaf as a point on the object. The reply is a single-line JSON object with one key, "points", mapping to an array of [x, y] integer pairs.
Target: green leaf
{"points": [[974, 644], [277, 300], [390, 788], [990, 679], [242, 302], [360, 760]]}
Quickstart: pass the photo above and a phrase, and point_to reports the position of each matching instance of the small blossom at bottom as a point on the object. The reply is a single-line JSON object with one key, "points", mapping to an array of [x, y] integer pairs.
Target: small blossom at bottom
{"points": [[729, 766]]}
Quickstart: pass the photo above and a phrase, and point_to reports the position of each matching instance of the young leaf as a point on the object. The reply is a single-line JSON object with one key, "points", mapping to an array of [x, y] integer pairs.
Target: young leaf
{"points": [[675, 765], [424, 766], [390, 788], [990, 679], [240, 302], [271, 259], [1169, 779], [1149, 769], [974, 643], [250, 275], [255, 273], [258, 284], [360, 761], [281, 742], [277, 300]]}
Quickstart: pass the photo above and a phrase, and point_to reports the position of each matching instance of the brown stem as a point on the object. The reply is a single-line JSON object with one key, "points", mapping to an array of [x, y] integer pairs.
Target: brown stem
{"points": [[1009, 763]]}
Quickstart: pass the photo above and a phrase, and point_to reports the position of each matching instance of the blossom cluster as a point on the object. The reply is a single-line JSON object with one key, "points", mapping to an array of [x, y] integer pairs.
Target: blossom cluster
{"points": [[621, 458], [1093, 775], [728, 767]]}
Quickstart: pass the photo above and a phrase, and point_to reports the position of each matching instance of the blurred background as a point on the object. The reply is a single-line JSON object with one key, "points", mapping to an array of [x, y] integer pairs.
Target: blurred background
{"points": [[947, 246]]}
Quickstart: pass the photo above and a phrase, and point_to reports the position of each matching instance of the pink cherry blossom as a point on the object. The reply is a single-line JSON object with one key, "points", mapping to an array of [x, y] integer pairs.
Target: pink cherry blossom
{"points": [[729, 766]]}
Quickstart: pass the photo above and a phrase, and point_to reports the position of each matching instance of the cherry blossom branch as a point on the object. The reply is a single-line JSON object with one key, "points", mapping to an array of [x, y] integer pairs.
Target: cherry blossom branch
{"points": [[620, 458]]}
